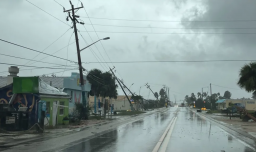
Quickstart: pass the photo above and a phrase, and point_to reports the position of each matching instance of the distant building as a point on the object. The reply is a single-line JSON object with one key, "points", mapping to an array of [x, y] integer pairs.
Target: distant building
{"points": [[248, 104]]}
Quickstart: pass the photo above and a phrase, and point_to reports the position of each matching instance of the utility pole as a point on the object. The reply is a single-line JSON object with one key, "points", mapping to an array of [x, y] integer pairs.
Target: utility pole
{"points": [[122, 89], [211, 94], [127, 88], [74, 20], [150, 89]]}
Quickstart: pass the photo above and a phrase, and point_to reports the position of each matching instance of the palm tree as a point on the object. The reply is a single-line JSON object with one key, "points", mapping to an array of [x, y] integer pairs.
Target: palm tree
{"points": [[247, 77], [199, 95], [156, 95], [204, 94]]}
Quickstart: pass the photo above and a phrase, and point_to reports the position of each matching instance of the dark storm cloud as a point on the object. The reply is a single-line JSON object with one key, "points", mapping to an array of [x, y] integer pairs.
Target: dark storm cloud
{"points": [[227, 15]]}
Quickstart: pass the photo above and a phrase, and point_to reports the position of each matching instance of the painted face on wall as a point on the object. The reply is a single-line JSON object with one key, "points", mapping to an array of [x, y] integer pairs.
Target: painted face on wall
{"points": [[18, 100]]}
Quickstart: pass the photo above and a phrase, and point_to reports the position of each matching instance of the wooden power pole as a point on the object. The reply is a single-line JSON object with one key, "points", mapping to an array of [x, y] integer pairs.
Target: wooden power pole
{"points": [[74, 20]]}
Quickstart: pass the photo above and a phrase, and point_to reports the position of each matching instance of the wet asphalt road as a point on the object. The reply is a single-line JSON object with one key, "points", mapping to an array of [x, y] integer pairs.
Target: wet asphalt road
{"points": [[190, 133]]}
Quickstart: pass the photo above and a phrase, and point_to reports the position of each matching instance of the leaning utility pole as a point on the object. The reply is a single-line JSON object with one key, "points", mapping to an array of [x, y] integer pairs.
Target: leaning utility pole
{"points": [[150, 89], [74, 20], [211, 94], [122, 89]]}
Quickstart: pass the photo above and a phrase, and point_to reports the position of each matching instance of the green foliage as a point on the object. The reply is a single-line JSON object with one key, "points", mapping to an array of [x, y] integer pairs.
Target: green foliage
{"points": [[162, 93], [137, 98], [95, 78], [110, 87], [247, 76], [156, 95], [66, 118], [103, 84], [227, 95], [192, 97], [199, 95]]}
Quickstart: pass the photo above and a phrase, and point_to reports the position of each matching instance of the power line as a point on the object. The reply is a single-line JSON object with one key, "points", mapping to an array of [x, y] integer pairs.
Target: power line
{"points": [[29, 66], [199, 61], [57, 51], [149, 27], [94, 46], [58, 71], [30, 59], [226, 87], [47, 13], [34, 68], [67, 50], [252, 20], [50, 44], [58, 3], [94, 54], [246, 33], [97, 34], [96, 80], [35, 50]]}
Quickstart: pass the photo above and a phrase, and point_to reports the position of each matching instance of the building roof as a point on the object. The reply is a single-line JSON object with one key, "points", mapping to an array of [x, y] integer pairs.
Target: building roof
{"points": [[220, 101], [3, 81], [54, 81]]}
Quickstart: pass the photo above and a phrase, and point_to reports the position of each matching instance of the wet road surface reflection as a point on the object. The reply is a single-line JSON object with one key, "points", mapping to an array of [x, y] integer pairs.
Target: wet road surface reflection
{"points": [[196, 134], [191, 133], [138, 136]]}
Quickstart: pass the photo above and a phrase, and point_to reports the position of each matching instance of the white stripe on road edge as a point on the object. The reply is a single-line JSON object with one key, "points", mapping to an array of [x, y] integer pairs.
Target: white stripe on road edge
{"points": [[161, 140]]}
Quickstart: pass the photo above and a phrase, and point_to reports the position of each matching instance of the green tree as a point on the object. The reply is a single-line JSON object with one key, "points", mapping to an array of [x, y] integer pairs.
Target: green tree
{"points": [[193, 97], [199, 95], [204, 94], [156, 95], [109, 88], [199, 103], [227, 95], [247, 77], [162, 93], [95, 78]]}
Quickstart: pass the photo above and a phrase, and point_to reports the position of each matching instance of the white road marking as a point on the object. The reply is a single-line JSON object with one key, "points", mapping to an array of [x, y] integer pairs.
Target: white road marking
{"points": [[167, 138], [163, 141]]}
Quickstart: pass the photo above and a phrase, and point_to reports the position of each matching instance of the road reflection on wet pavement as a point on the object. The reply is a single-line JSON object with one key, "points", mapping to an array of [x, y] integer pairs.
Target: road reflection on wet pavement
{"points": [[139, 136], [191, 133], [196, 134]]}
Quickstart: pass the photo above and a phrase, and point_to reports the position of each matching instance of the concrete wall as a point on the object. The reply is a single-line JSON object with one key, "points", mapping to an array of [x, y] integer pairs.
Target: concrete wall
{"points": [[121, 105]]}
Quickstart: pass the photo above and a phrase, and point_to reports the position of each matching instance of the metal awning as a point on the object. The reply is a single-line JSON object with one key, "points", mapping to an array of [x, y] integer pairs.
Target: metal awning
{"points": [[220, 101]]}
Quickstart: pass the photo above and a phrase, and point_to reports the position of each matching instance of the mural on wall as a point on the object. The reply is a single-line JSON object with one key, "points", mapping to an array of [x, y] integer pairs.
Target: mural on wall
{"points": [[21, 100], [78, 99]]}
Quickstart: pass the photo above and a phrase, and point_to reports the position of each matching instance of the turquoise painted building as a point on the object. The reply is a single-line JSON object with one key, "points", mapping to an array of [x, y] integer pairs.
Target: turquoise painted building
{"points": [[73, 88]]}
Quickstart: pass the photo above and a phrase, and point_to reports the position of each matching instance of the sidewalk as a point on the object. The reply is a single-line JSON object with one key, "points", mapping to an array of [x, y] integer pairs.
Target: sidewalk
{"points": [[249, 127], [9, 138]]}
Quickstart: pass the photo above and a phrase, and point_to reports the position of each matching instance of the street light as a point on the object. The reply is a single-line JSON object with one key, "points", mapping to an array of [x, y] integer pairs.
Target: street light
{"points": [[139, 90], [106, 38], [131, 86]]}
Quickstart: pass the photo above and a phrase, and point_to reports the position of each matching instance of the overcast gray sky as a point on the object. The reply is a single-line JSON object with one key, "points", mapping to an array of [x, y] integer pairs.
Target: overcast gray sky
{"points": [[199, 30]]}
